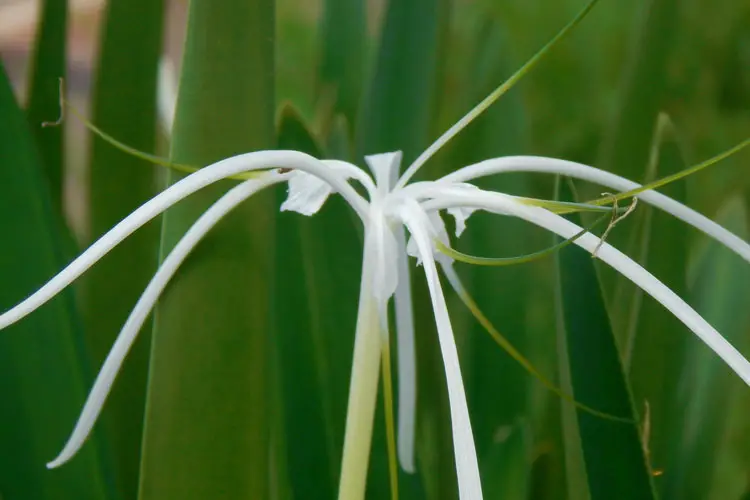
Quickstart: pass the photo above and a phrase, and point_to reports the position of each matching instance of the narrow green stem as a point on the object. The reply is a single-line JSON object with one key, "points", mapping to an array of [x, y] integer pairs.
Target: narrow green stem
{"points": [[363, 392], [390, 427]]}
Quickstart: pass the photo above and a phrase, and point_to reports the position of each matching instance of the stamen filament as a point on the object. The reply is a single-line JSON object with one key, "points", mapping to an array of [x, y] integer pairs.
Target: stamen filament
{"points": [[505, 345], [490, 99], [509, 261]]}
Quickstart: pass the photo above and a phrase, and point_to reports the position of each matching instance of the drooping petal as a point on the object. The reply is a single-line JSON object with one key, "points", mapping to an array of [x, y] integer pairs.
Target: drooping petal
{"points": [[407, 364], [595, 175], [307, 194], [608, 254], [467, 466], [185, 187], [112, 364]]}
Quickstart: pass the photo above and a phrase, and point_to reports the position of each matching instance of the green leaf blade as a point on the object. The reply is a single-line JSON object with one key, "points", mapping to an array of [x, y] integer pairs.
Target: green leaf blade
{"points": [[42, 358], [207, 421], [614, 457], [124, 101], [48, 67], [344, 30]]}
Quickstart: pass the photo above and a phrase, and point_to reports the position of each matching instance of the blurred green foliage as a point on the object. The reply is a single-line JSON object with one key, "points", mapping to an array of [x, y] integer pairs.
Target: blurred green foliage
{"points": [[248, 375]]}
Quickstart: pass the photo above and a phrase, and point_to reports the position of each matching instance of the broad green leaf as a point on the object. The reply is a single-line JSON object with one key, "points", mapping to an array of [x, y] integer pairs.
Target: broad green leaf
{"points": [[207, 431], [43, 365], [123, 105], [616, 467], [502, 293], [720, 293], [303, 282], [48, 67], [396, 116], [657, 341], [344, 32]]}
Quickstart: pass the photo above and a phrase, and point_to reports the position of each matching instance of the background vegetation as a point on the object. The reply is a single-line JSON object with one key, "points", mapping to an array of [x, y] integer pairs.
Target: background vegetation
{"points": [[238, 388]]}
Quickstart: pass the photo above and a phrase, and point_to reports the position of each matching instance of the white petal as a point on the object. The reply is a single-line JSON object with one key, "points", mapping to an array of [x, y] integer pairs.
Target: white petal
{"points": [[613, 257], [173, 194], [146, 302], [595, 175], [436, 230], [467, 466], [385, 168], [307, 193], [407, 364], [461, 214]]}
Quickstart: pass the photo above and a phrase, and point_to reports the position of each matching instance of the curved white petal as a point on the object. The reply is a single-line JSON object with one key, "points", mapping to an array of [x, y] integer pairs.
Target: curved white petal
{"points": [[595, 175], [173, 194], [353, 172], [407, 363], [445, 198], [467, 466], [146, 303]]}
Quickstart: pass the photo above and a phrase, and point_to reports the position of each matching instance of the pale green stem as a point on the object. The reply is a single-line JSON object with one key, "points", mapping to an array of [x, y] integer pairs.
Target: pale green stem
{"points": [[363, 392]]}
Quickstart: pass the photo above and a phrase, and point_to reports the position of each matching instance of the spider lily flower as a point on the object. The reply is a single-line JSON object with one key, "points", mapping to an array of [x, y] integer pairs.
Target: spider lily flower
{"points": [[390, 207]]}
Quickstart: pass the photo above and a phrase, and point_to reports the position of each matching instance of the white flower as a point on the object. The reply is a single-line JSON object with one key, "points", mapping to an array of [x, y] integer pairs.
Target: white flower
{"points": [[391, 207]]}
